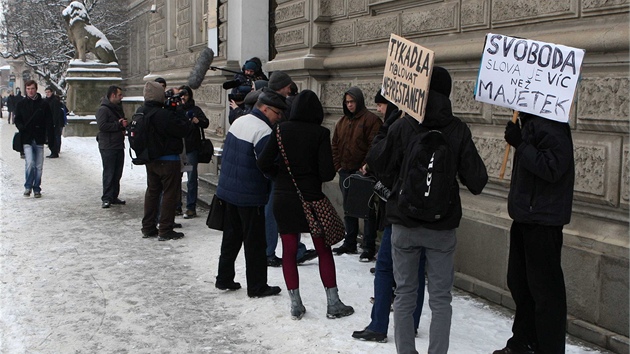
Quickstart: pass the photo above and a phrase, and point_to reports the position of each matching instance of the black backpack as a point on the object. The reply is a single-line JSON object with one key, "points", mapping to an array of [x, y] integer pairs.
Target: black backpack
{"points": [[142, 136], [427, 175]]}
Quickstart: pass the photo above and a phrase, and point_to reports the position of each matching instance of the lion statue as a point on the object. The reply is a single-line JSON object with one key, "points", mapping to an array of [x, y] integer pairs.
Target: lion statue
{"points": [[84, 36]]}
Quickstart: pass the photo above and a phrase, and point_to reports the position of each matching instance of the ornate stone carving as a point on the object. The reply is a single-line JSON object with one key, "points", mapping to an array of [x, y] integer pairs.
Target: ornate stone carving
{"points": [[625, 176], [210, 94], [291, 37], [332, 93], [292, 11], [491, 150], [439, 18], [378, 28], [604, 4], [590, 168], [332, 8], [518, 10], [357, 6], [463, 98], [475, 14], [604, 98], [342, 33]]}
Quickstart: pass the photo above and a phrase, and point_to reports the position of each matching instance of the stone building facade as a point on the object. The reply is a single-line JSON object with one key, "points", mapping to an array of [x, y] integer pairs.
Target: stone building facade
{"points": [[330, 45]]}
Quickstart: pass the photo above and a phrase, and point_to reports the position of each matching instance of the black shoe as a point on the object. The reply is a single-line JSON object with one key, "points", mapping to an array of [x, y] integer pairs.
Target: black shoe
{"points": [[227, 286], [178, 211], [274, 261], [527, 349], [119, 201], [177, 225], [345, 249], [308, 255], [52, 156], [366, 256], [106, 204], [171, 235], [370, 336], [149, 233], [269, 291]]}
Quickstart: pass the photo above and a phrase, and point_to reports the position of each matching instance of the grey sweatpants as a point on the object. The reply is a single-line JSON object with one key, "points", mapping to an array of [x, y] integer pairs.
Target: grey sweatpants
{"points": [[439, 245]]}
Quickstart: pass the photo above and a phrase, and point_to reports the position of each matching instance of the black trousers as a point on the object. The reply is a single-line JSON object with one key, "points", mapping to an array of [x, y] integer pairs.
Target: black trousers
{"points": [[113, 163], [536, 282], [163, 179], [244, 226]]}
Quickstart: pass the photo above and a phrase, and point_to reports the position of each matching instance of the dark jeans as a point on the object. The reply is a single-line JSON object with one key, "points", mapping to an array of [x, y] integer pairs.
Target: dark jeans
{"points": [[193, 181], [352, 223], [384, 283], [163, 179], [57, 148], [113, 163], [536, 281], [244, 226]]}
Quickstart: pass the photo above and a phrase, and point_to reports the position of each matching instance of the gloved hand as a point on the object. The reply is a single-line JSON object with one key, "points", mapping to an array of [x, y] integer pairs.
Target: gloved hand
{"points": [[513, 134]]}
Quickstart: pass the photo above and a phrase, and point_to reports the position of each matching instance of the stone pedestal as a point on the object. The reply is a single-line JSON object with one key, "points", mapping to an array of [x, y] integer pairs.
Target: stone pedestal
{"points": [[87, 84]]}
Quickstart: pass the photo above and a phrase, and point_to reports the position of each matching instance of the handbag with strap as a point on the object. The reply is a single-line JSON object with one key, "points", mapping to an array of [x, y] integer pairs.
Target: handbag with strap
{"points": [[216, 215], [359, 201], [206, 149], [17, 142], [323, 220]]}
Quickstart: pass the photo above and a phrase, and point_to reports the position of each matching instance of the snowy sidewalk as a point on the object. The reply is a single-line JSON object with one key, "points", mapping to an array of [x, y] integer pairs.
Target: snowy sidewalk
{"points": [[75, 278]]}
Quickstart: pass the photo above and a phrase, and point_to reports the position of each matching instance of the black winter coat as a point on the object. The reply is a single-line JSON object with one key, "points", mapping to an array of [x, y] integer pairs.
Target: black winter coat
{"points": [[543, 173], [307, 145], [111, 133], [34, 121], [386, 156], [56, 109], [193, 138], [171, 126]]}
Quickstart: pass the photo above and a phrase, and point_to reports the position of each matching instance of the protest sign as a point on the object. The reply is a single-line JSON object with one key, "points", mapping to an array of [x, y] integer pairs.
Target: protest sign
{"points": [[529, 76], [407, 75]]}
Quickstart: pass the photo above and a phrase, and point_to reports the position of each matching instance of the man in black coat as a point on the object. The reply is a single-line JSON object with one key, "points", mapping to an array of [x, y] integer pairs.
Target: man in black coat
{"points": [[59, 119], [168, 128], [111, 144], [34, 122], [539, 202]]}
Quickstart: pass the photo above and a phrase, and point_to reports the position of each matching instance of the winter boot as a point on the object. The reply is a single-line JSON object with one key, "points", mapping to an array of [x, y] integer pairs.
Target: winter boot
{"points": [[297, 309], [336, 308]]}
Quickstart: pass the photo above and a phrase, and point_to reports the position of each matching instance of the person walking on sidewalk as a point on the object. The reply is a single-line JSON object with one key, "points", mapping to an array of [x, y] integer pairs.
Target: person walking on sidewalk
{"points": [[539, 203], [245, 191], [34, 121], [307, 146], [58, 111], [351, 141], [111, 144]]}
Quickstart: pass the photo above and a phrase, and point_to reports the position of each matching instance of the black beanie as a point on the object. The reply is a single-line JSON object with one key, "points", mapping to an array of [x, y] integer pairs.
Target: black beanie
{"points": [[278, 80], [379, 98], [441, 81]]}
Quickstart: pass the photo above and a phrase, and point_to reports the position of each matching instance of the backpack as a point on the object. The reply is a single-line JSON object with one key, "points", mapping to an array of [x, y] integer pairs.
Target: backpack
{"points": [[141, 134], [427, 175]]}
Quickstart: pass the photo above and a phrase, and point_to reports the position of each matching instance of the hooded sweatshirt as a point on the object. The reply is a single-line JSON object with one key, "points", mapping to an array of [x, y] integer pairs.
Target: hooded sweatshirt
{"points": [[354, 133]]}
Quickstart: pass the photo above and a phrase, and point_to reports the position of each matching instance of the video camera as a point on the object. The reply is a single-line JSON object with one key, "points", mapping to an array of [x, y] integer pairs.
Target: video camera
{"points": [[173, 99], [240, 87]]}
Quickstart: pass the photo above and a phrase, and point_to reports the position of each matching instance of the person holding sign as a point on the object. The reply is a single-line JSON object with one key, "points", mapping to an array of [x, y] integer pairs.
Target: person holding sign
{"points": [[351, 141], [412, 236], [539, 202]]}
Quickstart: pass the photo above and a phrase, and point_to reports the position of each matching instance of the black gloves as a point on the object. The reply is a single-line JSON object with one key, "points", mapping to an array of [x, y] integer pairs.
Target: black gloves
{"points": [[513, 134]]}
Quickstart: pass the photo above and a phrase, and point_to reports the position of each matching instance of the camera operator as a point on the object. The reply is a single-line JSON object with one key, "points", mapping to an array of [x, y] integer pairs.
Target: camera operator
{"points": [[170, 125], [193, 144]]}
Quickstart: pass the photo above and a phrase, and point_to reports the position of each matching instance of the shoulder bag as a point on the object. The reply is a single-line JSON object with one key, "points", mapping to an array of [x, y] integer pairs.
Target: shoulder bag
{"points": [[206, 149], [323, 220]]}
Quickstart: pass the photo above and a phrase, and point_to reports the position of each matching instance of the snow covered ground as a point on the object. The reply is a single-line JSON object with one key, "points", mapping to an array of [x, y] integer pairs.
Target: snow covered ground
{"points": [[39, 280]]}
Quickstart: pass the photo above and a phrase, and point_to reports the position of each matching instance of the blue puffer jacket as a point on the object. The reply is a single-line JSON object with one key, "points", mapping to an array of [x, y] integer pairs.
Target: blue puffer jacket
{"points": [[241, 182]]}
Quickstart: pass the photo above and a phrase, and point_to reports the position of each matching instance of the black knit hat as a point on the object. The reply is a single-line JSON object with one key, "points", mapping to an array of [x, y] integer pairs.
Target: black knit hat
{"points": [[379, 98], [441, 81], [278, 80]]}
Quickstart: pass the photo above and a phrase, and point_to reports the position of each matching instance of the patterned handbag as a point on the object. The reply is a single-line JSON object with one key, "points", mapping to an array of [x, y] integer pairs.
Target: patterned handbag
{"points": [[323, 220]]}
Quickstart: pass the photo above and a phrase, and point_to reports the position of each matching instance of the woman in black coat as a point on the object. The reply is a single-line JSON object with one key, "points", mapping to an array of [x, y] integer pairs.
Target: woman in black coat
{"points": [[308, 150]]}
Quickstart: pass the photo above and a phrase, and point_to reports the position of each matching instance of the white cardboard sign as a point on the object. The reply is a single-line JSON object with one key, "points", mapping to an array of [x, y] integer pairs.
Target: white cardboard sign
{"points": [[529, 76]]}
